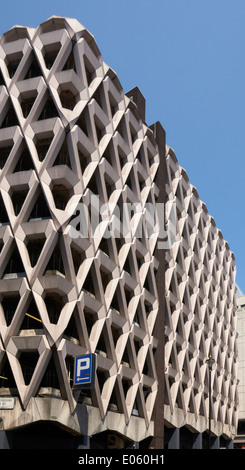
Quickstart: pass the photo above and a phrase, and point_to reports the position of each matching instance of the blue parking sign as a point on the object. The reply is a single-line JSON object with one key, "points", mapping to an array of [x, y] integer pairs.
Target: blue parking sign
{"points": [[84, 371]]}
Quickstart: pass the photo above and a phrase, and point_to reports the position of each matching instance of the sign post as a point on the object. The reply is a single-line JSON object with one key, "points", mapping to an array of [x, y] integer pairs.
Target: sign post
{"points": [[84, 371]]}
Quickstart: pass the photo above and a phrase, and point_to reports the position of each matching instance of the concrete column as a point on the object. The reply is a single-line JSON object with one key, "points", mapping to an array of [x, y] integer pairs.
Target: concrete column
{"points": [[215, 444], [174, 439], [5, 440], [159, 331], [197, 441], [229, 444], [136, 445], [84, 443]]}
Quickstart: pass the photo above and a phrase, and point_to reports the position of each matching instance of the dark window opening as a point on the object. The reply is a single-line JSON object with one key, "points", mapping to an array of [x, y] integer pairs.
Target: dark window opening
{"points": [[54, 304], [105, 278], [13, 64], [68, 100], [34, 70], [10, 119], [129, 182], [34, 248], [104, 246], [90, 319], [146, 391], [99, 132], [102, 376], [108, 155], [136, 410], [49, 111], [63, 156], [97, 96], [126, 386], [3, 213], [122, 158], [92, 185], [89, 70], [241, 427], [26, 105], [88, 285], [121, 128], [2, 82], [83, 161], [4, 153], [137, 317], [125, 358], [61, 196], [40, 209], [70, 63], [50, 55], [42, 146], [81, 122], [15, 265], [69, 361], [9, 305], [140, 260], [148, 308], [56, 262], [78, 258], [32, 318], [25, 161], [115, 303], [116, 333], [119, 242], [28, 362], [71, 330], [50, 378], [142, 182], [147, 370], [141, 156], [148, 284], [133, 133], [18, 198], [129, 294], [110, 187], [6, 376], [137, 345], [101, 345], [126, 266], [113, 404], [113, 104]]}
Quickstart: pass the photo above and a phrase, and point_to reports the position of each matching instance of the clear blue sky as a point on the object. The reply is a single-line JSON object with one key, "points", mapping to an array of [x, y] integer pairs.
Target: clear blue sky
{"points": [[188, 59]]}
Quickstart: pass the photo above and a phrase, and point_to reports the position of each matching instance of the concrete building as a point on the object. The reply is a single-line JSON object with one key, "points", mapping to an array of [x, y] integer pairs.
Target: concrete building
{"points": [[239, 441], [75, 149], [200, 322]]}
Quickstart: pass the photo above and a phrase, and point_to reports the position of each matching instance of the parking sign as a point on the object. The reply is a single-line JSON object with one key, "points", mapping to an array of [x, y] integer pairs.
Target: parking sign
{"points": [[84, 371]]}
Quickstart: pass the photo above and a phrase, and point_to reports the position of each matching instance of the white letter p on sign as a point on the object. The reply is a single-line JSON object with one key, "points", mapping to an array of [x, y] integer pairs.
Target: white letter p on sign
{"points": [[82, 364]]}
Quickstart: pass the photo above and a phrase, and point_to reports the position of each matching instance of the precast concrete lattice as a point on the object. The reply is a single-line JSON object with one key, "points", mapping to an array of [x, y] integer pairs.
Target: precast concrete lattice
{"points": [[200, 315], [67, 132]]}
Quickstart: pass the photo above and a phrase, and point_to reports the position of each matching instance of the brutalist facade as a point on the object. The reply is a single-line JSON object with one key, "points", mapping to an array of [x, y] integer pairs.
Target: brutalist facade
{"points": [[200, 321], [239, 441], [86, 268]]}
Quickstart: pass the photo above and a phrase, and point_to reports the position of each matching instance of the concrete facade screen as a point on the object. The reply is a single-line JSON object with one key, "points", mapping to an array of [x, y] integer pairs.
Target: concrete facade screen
{"points": [[70, 139], [89, 265]]}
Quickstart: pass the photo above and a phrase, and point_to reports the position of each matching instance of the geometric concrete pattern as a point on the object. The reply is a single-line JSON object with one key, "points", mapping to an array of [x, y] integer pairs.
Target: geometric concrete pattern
{"points": [[67, 131], [240, 300], [200, 315]]}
